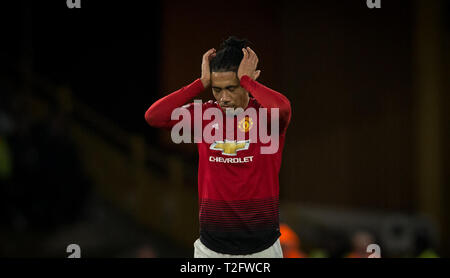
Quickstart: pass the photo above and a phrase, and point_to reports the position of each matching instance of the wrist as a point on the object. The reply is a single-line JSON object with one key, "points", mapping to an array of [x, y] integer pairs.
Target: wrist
{"points": [[205, 82], [244, 78], [195, 88]]}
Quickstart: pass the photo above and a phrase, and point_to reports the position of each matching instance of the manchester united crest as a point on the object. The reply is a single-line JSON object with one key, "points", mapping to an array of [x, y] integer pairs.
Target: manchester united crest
{"points": [[245, 124]]}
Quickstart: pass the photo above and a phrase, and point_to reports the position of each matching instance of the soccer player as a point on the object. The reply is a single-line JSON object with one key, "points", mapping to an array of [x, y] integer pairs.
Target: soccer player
{"points": [[238, 185]]}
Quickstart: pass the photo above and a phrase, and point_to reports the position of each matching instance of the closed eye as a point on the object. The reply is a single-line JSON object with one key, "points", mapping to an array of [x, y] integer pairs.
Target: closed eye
{"points": [[231, 88]]}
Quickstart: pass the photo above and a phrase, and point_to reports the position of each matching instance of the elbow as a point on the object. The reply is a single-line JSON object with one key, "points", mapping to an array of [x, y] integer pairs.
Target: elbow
{"points": [[285, 111], [150, 118]]}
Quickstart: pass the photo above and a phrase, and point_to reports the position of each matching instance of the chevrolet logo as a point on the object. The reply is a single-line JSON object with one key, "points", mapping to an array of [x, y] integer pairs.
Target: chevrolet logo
{"points": [[230, 147]]}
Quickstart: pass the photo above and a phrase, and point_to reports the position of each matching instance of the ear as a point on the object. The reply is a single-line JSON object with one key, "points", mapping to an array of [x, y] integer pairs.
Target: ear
{"points": [[257, 73]]}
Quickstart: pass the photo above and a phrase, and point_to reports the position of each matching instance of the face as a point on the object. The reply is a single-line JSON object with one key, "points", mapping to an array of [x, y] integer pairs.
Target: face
{"points": [[227, 90]]}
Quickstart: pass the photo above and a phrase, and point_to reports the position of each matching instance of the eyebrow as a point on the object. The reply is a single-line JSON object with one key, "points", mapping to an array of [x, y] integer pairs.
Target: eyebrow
{"points": [[227, 87]]}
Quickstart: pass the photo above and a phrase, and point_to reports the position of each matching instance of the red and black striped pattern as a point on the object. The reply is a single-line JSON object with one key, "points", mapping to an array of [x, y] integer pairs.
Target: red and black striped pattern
{"points": [[250, 215], [235, 226]]}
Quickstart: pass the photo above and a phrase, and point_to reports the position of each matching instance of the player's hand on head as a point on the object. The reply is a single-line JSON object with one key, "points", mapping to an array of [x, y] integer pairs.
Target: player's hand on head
{"points": [[249, 64], [206, 73]]}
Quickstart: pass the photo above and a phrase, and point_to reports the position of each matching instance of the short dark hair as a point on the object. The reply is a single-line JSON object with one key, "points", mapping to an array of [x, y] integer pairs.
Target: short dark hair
{"points": [[229, 57]]}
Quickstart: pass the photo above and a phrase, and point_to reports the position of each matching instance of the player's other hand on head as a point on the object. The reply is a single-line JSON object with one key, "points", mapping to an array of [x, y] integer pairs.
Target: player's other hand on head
{"points": [[206, 73], [249, 64]]}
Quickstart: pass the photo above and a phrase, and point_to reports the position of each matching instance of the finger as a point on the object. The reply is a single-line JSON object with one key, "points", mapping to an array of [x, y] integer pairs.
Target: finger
{"points": [[252, 51], [207, 53], [245, 53], [248, 52], [253, 54], [258, 72]]}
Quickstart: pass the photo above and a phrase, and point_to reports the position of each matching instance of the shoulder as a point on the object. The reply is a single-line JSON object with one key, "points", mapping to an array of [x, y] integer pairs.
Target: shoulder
{"points": [[210, 103], [205, 105], [254, 103]]}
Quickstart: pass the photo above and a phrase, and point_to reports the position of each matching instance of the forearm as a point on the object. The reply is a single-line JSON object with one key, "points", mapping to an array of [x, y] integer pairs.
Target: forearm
{"points": [[268, 98], [158, 115]]}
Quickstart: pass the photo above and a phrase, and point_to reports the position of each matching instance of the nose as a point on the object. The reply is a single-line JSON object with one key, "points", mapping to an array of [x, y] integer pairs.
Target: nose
{"points": [[225, 98]]}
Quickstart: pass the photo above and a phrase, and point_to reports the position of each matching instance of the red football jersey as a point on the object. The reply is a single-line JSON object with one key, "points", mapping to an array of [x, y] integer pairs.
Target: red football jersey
{"points": [[238, 185]]}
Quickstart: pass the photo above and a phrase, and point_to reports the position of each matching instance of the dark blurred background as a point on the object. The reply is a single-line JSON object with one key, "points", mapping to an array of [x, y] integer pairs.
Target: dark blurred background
{"points": [[367, 149]]}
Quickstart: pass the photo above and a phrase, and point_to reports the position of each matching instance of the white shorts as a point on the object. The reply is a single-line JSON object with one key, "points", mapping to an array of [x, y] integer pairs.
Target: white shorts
{"points": [[201, 251]]}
